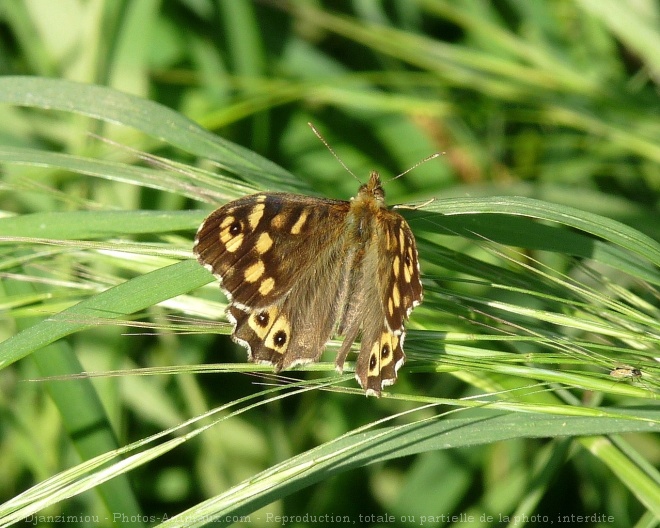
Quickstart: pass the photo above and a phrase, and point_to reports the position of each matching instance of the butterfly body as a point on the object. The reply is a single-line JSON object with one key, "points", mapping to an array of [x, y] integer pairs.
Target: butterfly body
{"points": [[299, 270]]}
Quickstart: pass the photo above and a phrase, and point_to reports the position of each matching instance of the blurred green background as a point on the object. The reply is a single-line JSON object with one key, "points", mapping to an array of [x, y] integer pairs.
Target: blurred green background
{"points": [[555, 101]]}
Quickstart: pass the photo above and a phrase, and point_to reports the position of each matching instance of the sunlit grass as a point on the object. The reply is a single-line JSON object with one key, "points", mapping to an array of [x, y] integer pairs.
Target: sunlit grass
{"points": [[539, 257]]}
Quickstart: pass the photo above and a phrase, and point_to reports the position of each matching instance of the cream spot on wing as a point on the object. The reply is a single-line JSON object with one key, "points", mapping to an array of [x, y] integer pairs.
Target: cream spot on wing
{"points": [[408, 268], [402, 241], [264, 243], [267, 286], [393, 240], [234, 243], [225, 234], [231, 233], [260, 322], [297, 227], [390, 306], [279, 335], [388, 343], [278, 221], [254, 272], [255, 215], [406, 274], [396, 296], [227, 221], [396, 265]]}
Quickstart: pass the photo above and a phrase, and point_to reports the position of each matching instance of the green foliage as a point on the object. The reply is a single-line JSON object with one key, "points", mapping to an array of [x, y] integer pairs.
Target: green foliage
{"points": [[537, 231]]}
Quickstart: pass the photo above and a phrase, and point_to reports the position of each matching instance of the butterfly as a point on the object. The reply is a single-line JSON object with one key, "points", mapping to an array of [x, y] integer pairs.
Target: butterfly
{"points": [[298, 270]]}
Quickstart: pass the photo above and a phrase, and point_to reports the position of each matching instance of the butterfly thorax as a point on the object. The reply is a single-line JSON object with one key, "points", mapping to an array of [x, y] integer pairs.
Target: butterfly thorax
{"points": [[365, 209]]}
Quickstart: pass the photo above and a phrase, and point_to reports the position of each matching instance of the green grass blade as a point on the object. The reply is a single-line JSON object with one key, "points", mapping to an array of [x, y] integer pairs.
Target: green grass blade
{"points": [[129, 297], [374, 446]]}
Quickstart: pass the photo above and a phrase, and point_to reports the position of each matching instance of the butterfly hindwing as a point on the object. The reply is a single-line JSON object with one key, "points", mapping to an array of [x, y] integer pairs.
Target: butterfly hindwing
{"points": [[296, 328], [380, 357]]}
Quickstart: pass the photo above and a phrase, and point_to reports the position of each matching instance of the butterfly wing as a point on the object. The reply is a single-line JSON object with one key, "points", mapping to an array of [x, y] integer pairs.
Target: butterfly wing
{"points": [[258, 246], [400, 286], [279, 261], [384, 302], [295, 329]]}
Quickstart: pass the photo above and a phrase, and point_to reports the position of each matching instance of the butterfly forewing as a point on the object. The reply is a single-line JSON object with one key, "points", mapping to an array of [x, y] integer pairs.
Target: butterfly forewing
{"points": [[256, 245], [298, 269]]}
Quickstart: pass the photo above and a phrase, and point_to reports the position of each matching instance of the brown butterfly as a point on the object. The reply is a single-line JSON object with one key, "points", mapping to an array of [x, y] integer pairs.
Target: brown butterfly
{"points": [[298, 270]]}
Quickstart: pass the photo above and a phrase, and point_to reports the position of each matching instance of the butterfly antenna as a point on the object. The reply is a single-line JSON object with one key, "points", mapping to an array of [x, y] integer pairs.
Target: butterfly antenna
{"points": [[429, 158], [318, 135]]}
